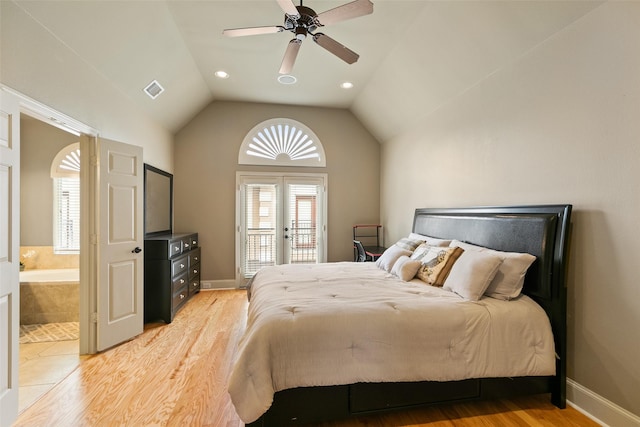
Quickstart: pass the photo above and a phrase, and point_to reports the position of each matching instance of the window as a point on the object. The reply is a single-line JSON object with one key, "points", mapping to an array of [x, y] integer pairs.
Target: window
{"points": [[65, 171], [282, 142]]}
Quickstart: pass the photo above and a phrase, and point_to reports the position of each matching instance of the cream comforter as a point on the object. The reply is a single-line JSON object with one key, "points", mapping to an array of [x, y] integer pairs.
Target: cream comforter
{"points": [[343, 323]]}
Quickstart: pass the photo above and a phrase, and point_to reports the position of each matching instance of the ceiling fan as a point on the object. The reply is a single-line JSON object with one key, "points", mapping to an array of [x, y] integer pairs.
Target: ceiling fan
{"points": [[303, 21]]}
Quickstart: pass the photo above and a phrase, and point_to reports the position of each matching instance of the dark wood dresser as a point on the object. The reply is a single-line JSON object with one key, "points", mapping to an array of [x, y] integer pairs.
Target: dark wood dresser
{"points": [[171, 274]]}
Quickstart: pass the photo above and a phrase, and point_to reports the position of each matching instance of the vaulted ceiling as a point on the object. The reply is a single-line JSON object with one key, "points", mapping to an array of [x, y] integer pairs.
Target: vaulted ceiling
{"points": [[415, 56]]}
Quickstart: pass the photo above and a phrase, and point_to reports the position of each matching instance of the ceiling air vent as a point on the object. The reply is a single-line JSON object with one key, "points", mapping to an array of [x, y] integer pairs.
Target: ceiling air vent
{"points": [[154, 89]]}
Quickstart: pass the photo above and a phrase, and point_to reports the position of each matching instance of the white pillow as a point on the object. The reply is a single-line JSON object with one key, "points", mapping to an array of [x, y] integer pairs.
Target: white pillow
{"points": [[509, 279], [408, 244], [405, 268], [390, 256], [431, 241], [471, 274]]}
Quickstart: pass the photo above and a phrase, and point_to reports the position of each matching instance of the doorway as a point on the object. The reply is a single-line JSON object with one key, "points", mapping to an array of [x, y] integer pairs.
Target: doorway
{"points": [[49, 283], [281, 219]]}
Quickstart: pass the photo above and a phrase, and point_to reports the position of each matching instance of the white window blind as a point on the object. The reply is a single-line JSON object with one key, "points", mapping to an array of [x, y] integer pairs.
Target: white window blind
{"points": [[302, 219], [261, 243], [66, 215]]}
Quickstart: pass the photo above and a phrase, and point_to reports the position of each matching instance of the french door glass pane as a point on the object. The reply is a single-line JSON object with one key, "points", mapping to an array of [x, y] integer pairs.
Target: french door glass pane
{"points": [[302, 223], [261, 211]]}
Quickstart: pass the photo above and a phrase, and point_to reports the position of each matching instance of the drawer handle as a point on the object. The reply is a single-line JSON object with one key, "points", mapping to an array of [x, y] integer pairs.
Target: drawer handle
{"points": [[195, 271], [181, 296], [186, 245], [181, 281], [181, 265], [195, 285], [195, 258]]}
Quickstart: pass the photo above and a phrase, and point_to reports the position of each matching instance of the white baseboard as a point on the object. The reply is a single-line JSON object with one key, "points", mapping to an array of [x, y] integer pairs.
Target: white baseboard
{"points": [[598, 408], [217, 284]]}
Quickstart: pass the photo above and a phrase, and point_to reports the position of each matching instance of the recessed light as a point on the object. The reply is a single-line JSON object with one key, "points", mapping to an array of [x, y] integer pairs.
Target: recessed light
{"points": [[287, 79], [346, 85], [221, 74], [153, 89]]}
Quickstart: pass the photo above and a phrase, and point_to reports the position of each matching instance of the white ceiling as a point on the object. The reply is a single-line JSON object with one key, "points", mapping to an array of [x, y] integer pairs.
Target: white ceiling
{"points": [[414, 55]]}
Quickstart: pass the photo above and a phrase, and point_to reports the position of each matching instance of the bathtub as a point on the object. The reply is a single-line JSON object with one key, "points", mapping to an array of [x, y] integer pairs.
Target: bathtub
{"points": [[49, 296], [44, 276]]}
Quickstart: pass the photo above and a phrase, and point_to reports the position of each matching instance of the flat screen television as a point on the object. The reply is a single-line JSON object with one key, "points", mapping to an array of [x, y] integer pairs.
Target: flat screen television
{"points": [[158, 201]]}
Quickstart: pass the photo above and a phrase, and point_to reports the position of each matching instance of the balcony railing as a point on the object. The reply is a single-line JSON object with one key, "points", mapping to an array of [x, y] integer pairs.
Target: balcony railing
{"points": [[261, 246]]}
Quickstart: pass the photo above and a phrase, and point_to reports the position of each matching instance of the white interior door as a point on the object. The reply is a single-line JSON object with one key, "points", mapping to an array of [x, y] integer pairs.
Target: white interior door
{"points": [[120, 267], [281, 219], [9, 256]]}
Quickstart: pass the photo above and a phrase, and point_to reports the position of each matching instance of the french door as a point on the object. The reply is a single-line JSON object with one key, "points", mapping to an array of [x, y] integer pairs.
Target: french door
{"points": [[281, 220]]}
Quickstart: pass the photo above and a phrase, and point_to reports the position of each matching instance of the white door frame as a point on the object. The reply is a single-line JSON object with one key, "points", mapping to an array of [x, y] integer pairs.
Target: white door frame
{"points": [[88, 255], [9, 254], [240, 175]]}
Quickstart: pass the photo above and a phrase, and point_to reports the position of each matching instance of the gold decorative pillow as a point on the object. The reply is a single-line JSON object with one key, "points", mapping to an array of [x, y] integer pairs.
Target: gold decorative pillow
{"points": [[437, 263]]}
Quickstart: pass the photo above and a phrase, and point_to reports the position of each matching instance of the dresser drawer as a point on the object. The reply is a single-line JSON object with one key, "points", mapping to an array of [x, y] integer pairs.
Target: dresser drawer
{"points": [[194, 271], [186, 244], [178, 282], [179, 266], [163, 249], [180, 297], [194, 285], [194, 257], [175, 248], [194, 240]]}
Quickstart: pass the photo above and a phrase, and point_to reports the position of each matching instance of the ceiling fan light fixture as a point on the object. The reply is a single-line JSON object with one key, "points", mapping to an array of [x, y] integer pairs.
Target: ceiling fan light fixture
{"points": [[287, 79], [221, 74]]}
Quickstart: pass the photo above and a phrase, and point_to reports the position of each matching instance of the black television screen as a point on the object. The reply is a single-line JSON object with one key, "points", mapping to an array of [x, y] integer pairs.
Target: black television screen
{"points": [[158, 201]]}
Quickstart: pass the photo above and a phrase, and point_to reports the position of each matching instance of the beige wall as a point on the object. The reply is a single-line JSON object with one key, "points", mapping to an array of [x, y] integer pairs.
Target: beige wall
{"points": [[41, 67], [559, 125], [206, 161], [40, 143]]}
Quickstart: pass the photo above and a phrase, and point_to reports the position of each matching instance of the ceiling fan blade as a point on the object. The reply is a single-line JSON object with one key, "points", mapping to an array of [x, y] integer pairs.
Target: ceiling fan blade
{"points": [[346, 11], [290, 56], [289, 8], [238, 32], [339, 50]]}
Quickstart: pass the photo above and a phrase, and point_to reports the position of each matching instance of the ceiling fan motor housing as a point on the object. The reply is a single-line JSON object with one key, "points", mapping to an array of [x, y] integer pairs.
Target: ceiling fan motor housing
{"points": [[307, 21]]}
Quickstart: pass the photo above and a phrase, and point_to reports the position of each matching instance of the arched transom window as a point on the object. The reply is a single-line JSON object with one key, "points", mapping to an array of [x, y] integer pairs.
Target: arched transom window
{"points": [[282, 142]]}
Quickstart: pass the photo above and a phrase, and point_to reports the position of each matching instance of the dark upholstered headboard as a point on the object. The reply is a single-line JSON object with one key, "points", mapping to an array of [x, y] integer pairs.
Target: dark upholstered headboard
{"points": [[541, 230]]}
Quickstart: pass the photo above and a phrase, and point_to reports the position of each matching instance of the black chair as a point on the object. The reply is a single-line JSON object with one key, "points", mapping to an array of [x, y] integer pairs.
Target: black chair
{"points": [[361, 255]]}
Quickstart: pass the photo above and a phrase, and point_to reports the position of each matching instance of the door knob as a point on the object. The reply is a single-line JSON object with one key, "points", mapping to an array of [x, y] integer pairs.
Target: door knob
{"points": [[137, 250]]}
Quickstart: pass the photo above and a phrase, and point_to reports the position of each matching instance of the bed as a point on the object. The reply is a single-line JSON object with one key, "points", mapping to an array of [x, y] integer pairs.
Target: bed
{"points": [[312, 353]]}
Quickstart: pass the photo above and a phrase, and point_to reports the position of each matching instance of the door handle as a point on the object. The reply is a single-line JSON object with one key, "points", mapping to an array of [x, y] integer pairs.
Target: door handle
{"points": [[137, 250]]}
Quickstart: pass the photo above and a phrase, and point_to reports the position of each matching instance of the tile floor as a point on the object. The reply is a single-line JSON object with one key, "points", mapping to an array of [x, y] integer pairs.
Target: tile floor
{"points": [[43, 365]]}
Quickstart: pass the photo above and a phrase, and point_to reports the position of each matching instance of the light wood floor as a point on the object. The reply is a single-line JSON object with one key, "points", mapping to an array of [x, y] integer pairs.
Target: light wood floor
{"points": [[176, 375]]}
